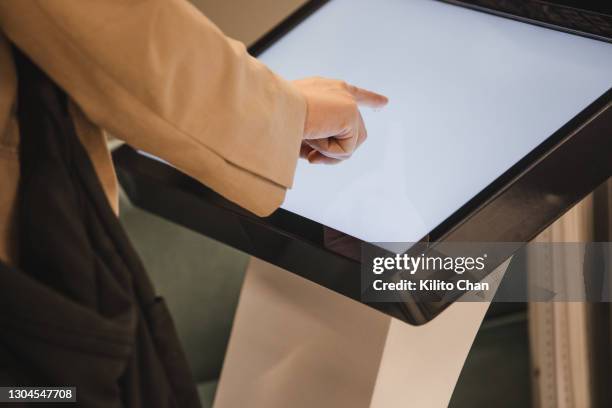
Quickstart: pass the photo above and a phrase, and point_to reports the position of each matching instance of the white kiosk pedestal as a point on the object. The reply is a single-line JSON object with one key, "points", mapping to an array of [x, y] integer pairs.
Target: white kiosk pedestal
{"points": [[296, 344]]}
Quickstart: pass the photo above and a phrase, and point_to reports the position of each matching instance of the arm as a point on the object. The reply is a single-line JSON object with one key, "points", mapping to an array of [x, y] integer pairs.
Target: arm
{"points": [[159, 75]]}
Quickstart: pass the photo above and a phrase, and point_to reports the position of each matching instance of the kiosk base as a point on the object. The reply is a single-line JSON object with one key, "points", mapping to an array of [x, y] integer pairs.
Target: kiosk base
{"points": [[297, 344]]}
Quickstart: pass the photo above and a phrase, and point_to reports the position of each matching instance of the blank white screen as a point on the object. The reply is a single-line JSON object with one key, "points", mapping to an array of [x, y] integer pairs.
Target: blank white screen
{"points": [[470, 95]]}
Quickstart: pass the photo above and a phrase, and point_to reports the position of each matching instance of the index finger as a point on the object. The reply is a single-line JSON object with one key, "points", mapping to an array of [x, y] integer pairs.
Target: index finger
{"points": [[367, 98]]}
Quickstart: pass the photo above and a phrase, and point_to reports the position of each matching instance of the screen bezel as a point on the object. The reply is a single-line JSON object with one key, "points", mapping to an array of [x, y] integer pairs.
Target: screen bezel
{"points": [[284, 229], [529, 11]]}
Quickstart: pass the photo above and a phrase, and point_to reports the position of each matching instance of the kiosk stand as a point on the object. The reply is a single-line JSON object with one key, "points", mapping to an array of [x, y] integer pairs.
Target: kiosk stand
{"points": [[296, 344], [496, 127]]}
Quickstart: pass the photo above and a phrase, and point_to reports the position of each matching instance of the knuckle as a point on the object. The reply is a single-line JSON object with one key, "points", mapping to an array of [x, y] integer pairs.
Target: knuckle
{"points": [[353, 106]]}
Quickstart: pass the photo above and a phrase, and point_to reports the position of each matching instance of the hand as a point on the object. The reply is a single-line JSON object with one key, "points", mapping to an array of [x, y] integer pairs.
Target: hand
{"points": [[334, 127]]}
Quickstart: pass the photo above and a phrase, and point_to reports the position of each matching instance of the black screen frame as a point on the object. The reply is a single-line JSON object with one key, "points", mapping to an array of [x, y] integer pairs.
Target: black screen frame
{"points": [[287, 239]]}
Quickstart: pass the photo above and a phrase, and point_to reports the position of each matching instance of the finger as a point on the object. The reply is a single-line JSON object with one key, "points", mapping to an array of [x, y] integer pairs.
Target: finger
{"points": [[333, 147], [362, 132], [305, 150], [316, 157], [367, 98]]}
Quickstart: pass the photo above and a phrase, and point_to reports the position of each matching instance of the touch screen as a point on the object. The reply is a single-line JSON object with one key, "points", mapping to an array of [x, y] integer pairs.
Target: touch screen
{"points": [[470, 95]]}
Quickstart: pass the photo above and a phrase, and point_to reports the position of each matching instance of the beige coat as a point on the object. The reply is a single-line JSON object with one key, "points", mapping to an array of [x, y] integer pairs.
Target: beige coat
{"points": [[160, 76]]}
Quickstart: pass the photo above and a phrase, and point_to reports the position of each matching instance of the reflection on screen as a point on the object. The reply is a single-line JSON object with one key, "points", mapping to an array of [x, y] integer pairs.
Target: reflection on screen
{"points": [[470, 95]]}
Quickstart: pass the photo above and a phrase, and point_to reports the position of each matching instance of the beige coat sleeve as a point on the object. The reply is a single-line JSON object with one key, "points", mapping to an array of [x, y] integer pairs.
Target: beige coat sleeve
{"points": [[161, 76]]}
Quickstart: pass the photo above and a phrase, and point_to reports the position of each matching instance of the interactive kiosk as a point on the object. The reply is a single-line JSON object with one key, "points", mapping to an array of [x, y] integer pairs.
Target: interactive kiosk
{"points": [[499, 121]]}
